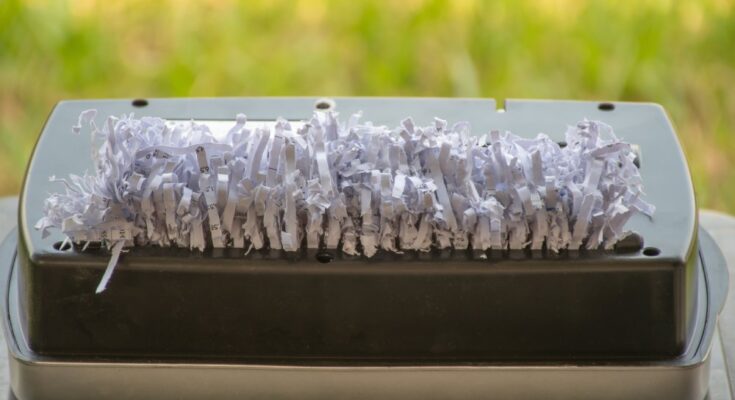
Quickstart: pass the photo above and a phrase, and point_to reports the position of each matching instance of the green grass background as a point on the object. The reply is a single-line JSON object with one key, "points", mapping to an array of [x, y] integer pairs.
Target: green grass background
{"points": [[677, 53]]}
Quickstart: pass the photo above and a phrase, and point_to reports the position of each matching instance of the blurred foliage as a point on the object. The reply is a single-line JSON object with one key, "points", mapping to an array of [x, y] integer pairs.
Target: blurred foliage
{"points": [[677, 53]]}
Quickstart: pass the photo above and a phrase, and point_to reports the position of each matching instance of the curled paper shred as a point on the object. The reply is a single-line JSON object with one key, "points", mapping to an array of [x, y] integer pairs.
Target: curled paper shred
{"points": [[355, 186], [117, 248]]}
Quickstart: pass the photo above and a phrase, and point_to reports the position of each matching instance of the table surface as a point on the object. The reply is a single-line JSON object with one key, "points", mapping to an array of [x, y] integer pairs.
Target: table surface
{"points": [[722, 372]]}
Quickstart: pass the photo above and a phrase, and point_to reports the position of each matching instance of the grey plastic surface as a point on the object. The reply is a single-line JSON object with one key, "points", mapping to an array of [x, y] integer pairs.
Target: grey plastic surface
{"points": [[664, 169]]}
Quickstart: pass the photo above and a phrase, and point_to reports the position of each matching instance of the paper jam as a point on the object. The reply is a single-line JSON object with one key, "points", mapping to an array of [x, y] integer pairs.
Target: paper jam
{"points": [[347, 185]]}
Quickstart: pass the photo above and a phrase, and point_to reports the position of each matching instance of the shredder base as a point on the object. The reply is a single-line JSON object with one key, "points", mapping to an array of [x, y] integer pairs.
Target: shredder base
{"points": [[37, 377]]}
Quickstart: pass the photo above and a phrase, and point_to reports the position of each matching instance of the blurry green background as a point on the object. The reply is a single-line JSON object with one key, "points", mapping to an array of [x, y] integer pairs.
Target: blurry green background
{"points": [[677, 53]]}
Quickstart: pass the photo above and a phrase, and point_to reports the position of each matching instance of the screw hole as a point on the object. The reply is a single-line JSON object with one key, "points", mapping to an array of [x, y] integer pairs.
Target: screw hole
{"points": [[140, 103], [324, 104], [62, 246], [606, 106], [562, 144], [324, 257], [651, 251]]}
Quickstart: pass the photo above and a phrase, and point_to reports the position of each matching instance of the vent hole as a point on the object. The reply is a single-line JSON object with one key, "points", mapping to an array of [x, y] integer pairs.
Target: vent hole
{"points": [[324, 257], [324, 104], [140, 103], [62, 246], [651, 251], [606, 106], [92, 246]]}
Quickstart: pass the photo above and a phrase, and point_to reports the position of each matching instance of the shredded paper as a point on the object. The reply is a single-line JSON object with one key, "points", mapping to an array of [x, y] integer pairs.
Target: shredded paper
{"points": [[346, 185]]}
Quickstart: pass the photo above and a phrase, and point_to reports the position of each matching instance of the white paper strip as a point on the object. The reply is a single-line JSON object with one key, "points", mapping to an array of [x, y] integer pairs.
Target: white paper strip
{"points": [[354, 186], [116, 250]]}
